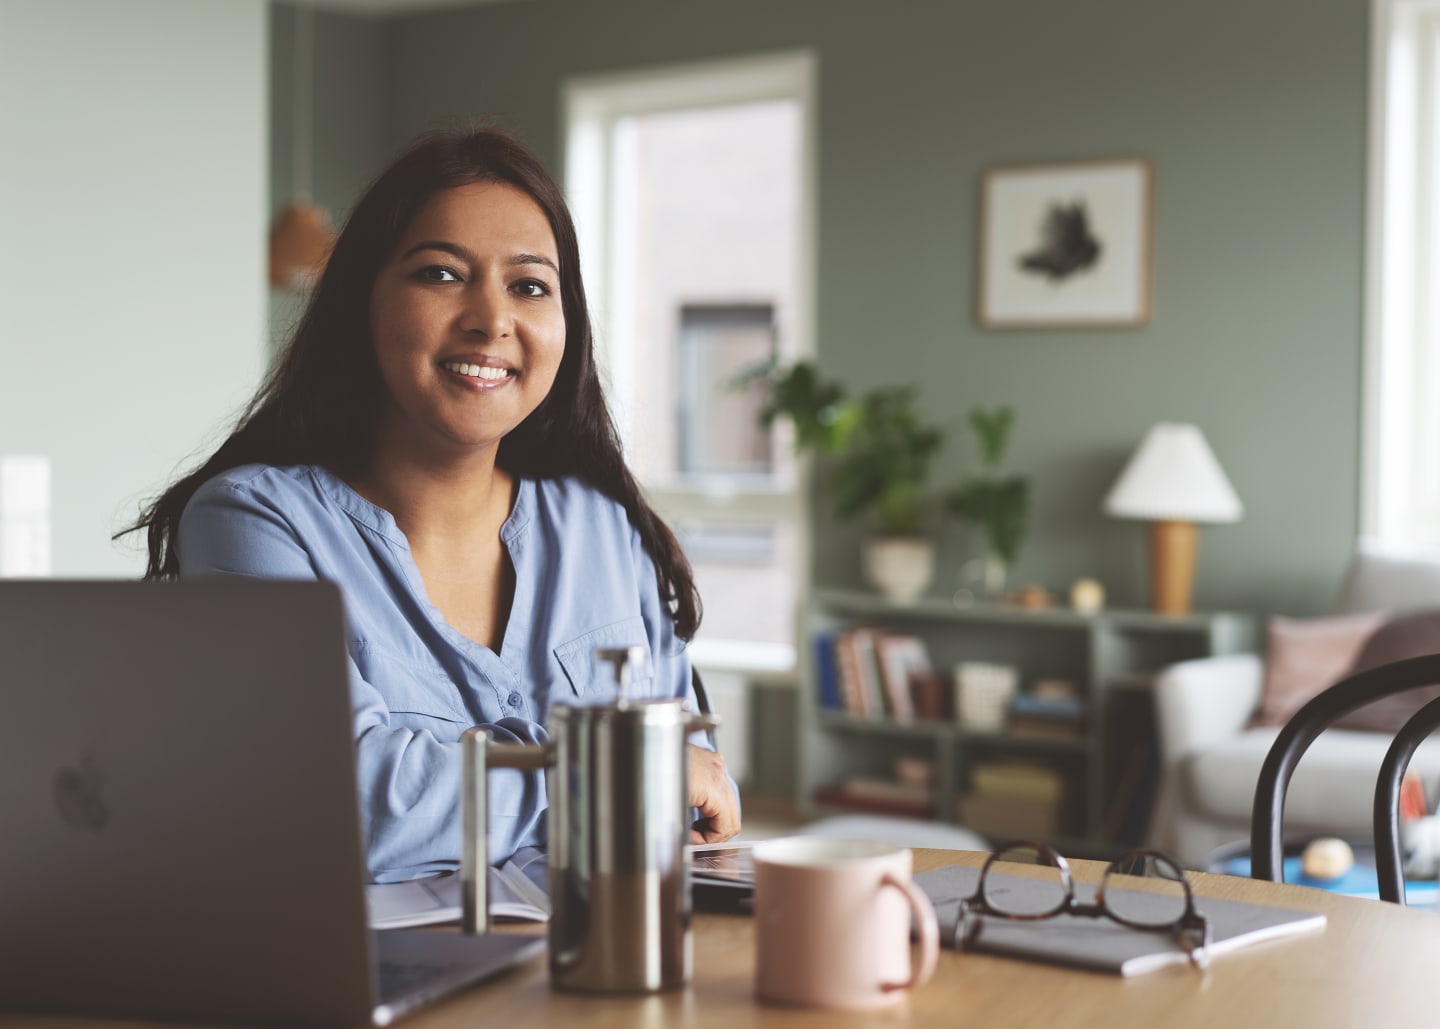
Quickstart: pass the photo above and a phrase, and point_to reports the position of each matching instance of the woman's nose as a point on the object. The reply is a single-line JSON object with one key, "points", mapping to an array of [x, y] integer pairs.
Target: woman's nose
{"points": [[487, 311]]}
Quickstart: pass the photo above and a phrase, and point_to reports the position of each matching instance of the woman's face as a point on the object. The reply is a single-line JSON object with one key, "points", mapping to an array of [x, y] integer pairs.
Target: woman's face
{"points": [[467, 320]]}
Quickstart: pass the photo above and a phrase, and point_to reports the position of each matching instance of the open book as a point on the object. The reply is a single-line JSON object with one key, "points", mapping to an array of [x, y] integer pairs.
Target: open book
{"points": [[520, 888], [518, 892], [1098, 943]]}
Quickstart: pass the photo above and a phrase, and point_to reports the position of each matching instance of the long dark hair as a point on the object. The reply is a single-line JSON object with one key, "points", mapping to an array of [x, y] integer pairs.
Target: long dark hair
{"points": [[320, 405]]}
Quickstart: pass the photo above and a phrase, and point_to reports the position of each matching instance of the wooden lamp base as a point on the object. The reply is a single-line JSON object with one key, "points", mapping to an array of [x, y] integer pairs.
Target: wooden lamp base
{"points": [[1172, 566]]}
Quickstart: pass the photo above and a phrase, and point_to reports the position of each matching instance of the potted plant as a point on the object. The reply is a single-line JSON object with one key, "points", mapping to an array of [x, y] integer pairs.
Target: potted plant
{"points": [[878, 454], [998, 505]]}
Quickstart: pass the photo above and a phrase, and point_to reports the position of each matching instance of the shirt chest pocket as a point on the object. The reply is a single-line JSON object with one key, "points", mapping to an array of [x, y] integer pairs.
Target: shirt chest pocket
{"points": [[420, 698], [589, 678]]}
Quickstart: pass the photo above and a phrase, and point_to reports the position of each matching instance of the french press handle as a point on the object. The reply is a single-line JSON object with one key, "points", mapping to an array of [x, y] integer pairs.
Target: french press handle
{"points": [[478, 756]]}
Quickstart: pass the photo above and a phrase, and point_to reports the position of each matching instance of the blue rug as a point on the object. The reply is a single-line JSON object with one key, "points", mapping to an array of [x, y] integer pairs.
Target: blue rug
{"points": [[1360, 881]]}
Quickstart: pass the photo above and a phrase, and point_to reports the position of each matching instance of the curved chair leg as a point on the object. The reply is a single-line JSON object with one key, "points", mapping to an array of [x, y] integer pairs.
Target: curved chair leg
{"points": [[1387, 799], [1266, 847]]}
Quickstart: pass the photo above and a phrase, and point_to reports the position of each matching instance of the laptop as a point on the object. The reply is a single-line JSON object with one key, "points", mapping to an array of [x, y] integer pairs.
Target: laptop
{"points": [[179, 826]]}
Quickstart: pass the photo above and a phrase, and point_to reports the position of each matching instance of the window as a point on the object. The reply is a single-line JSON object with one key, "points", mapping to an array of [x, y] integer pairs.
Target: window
{"points": [[1401, 474], [720, 435], [690, 192]]}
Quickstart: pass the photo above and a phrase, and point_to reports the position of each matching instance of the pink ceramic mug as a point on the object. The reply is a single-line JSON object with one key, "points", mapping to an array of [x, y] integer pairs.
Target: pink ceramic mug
{"points": [[832, 923]]}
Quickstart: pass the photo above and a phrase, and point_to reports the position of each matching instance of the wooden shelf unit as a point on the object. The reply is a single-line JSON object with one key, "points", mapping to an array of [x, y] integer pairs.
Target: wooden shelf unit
{"points": [[1111, 656]]}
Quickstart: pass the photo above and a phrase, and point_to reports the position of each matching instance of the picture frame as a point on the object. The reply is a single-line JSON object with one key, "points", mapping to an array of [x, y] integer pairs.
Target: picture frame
{"points": [[1066, 245]]}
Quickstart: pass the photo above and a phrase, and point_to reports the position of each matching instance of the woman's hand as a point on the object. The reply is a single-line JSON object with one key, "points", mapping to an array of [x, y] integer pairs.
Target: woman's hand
{"points": [[712, 794]]}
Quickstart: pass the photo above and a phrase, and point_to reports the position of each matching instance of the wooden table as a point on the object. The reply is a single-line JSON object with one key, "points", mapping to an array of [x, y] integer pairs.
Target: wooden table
{"points": [[1373, 964]]}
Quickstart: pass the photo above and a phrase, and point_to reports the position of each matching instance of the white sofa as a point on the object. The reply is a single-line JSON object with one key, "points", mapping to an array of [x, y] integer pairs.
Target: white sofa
{"points": [[1210, 760]]}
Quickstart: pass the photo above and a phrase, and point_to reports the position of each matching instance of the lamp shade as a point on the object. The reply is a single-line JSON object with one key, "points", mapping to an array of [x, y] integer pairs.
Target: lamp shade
{"points": [[1174, 477]]}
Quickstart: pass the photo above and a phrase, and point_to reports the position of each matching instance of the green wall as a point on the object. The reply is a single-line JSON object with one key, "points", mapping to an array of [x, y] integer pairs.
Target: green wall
{"points": [[347, 68], [1254, 114]]}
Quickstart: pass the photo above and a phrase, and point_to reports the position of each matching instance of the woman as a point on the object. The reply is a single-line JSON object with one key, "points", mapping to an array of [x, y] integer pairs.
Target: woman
{"points": [[435, 440]]}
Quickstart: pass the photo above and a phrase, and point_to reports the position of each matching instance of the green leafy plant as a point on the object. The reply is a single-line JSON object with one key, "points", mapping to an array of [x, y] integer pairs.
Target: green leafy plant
{"points": [[998, 505], [878, 449]]}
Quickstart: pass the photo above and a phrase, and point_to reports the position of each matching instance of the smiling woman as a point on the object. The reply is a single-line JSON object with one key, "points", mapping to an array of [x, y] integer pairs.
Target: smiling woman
{"points": [[468, 324], [435, 440]]}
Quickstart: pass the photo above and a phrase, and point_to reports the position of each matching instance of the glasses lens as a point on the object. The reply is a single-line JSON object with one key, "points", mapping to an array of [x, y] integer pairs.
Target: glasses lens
{"points": [[1025, 882], [1148, 891]]}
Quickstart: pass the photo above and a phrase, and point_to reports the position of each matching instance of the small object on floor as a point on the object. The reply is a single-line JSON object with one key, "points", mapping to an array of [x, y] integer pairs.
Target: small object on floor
{"points": [[1327, 859]]}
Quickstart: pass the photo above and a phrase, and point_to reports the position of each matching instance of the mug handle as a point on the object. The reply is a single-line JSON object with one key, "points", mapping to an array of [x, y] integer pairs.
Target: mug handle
{"points": [[925, 921]]}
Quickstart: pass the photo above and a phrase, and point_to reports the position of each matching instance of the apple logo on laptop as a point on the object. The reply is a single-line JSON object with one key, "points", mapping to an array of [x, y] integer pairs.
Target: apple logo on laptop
{"points": [[78, 796]]}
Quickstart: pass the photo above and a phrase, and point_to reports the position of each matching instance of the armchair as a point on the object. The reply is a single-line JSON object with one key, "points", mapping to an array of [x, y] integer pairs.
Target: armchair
{"points": [[1211, 759]]}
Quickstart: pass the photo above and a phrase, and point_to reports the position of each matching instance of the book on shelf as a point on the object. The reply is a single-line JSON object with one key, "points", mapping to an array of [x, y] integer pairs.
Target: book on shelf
{"points": [[827, 674], [1052, 714], [1024, 780], [901, 658], [867, 668], [1038, 706], [847, 674], [1012, 799], [931, 694], [870, 673], [866, 787], [1046, 728], [837, 795]]}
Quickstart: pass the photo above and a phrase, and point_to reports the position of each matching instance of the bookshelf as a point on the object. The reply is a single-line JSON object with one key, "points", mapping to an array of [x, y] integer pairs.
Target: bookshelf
{"points": [[1106, 766]]}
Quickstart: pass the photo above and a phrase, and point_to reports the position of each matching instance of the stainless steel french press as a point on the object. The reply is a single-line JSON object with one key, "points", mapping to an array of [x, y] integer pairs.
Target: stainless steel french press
{"points": [[616, 777]]}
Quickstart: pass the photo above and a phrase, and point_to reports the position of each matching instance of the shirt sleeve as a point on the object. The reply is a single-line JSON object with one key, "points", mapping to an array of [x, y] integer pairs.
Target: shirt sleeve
{"points": [[409, 780]]}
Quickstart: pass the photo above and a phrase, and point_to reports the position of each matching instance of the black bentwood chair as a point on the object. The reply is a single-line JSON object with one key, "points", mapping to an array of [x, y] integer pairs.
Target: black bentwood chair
{"points": [[702, 701], [1266, 848]]}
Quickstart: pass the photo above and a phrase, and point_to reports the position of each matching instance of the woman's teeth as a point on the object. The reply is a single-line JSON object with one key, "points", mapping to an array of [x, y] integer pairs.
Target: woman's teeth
{"points": [[476, 371]]}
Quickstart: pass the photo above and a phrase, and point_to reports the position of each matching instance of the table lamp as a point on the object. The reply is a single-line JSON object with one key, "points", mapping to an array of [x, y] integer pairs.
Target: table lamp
{"points": [[1173, 481]]}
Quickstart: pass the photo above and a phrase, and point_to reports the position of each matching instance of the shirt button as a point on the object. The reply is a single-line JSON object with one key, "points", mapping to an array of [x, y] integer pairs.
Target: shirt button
{"points": [[514, 699]]}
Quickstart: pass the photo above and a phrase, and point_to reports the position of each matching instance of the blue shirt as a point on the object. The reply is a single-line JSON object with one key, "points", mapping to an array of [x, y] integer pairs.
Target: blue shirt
{"points": [[582, 580]]}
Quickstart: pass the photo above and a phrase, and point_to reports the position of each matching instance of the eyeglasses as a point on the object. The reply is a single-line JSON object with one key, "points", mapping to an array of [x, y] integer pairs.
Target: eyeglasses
{"points": [[1142, 889]]}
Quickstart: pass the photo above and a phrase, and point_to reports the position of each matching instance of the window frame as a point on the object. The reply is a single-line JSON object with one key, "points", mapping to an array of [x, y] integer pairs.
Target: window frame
{"points": [[592, 107], [1400, 427]]}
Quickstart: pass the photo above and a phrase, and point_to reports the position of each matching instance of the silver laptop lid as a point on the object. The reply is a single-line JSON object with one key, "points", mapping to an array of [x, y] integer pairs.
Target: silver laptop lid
{"points": [[179, 832]]}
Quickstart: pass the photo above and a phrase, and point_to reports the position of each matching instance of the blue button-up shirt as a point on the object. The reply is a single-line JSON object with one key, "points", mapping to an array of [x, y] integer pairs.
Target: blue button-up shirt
{"points": [[582, 580]]}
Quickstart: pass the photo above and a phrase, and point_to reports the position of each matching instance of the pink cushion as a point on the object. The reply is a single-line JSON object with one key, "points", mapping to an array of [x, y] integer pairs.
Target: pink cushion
{"points": [[1304, 657]]}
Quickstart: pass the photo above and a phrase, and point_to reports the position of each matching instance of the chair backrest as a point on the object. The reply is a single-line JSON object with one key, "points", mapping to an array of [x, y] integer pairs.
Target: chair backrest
{"points": [[1266, 845], [702, 701]]}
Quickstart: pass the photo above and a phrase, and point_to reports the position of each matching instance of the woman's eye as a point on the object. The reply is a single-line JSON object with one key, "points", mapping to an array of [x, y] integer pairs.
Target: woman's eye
{"points": [[437, 273], [531, 288]]}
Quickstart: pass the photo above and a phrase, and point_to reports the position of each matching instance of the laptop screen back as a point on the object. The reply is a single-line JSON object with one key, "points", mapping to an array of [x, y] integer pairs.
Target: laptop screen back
{"points": [[177, 802]]}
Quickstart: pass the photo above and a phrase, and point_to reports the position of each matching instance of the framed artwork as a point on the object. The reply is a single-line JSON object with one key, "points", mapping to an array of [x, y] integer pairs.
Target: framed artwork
{"points": [[1066, 245]]}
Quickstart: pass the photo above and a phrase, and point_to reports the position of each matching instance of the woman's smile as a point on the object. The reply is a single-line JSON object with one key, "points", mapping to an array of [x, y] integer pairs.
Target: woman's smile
{"points": [[480, 376]]}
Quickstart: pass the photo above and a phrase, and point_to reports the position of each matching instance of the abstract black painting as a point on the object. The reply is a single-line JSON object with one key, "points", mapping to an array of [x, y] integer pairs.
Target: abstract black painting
{"points": [[1066, 245]]}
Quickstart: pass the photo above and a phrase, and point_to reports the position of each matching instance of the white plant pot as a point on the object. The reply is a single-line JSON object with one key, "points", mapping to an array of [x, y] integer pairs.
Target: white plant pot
{"points": [[900, 567]]}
